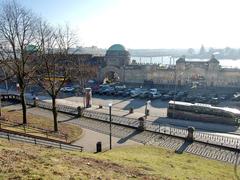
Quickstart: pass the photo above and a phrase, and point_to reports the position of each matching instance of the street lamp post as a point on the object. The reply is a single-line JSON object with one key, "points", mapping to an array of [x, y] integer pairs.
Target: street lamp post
{"points": [[146, 108], [0, 104], [110, 125], [17, 85]]}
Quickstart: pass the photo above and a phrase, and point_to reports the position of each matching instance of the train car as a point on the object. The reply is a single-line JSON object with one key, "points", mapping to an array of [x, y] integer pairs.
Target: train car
{"points": [[203, 113]]}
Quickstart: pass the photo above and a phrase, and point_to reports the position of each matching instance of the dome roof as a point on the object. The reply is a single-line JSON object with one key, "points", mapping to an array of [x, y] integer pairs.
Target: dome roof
{"points": [[213, 59], [181, 59], [117, 47]]}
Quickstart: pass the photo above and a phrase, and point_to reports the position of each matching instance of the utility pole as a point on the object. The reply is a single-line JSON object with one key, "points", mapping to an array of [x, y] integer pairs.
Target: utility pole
{"points": [[110, 125]]}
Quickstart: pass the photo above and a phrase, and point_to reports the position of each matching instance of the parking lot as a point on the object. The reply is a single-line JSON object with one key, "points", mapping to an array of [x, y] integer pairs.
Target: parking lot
{"points": [[137, 98], [157, 107]]}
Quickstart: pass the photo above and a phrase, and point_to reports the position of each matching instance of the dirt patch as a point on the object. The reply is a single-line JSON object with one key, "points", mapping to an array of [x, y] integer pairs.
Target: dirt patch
{"points": [[11, 160], [13, 156], [104, 166]]}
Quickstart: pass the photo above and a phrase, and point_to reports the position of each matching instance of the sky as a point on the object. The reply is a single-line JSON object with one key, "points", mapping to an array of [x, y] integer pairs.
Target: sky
{"points": [[146, 24]]}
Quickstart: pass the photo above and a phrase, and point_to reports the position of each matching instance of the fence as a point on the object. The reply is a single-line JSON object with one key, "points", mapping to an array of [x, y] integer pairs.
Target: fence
{"points": [[33, 140], [33, 129], [205, 137]]}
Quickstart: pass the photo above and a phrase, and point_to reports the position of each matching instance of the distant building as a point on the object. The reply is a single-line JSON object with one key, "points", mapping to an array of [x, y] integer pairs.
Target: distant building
{"points": [[205, 73]]}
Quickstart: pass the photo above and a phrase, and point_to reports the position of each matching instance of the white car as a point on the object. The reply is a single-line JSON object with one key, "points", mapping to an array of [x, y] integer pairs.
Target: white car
{"points": [[67, 89], [153, 94]]}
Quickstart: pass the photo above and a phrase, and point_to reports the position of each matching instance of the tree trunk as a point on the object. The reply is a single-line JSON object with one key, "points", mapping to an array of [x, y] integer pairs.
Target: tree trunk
{"points": [[54, 111], [24, 107]]}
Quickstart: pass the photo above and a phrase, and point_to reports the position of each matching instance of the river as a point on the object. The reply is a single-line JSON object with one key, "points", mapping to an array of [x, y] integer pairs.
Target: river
{"points": [[168, 60]]}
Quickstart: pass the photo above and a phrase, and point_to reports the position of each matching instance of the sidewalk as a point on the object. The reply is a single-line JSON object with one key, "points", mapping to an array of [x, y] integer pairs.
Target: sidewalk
{"points": [[105, 110], [89, 137], [165, 121]]}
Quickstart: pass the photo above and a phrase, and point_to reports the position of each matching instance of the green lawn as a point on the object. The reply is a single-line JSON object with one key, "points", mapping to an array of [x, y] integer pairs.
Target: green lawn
{"points": [[167, 164], [26, 161]]}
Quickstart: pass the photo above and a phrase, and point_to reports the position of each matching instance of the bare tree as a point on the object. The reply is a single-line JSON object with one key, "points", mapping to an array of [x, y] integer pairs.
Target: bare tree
{"points": [[17, 27], [54, 61], [82, 71]]}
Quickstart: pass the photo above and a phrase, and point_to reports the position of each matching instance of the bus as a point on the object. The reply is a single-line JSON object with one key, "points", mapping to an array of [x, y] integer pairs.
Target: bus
{"points": [[203, 113]]}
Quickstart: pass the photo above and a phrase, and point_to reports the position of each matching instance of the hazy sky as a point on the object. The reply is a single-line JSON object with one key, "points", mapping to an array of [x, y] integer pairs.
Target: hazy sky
{"points": [[147, 23]]}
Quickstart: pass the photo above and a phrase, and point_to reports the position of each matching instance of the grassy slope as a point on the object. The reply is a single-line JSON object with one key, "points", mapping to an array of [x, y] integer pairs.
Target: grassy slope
{"points": [[73, 132], [29, 161]]}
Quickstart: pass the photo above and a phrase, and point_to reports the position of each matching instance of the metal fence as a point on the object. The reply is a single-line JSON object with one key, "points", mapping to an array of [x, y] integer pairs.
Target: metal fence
{"points": [[206, 137], [32, 140]]}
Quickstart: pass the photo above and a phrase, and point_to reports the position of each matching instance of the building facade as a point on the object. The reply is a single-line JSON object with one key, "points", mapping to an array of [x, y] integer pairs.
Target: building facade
{"points": [[205, 73]]}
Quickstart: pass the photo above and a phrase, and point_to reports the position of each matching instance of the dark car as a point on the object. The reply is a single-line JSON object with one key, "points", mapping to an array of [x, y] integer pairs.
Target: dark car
{"points": [[202, 99], [119, 90], [223, 97], [180, 95], [103, 89], [214, 101], [190, 98], [236, 97], [110, 91], [126, 93], [166, 97], [144, 94]]}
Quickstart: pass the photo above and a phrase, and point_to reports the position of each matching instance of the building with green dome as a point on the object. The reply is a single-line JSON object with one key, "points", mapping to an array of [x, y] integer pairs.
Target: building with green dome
{"points": [[117, 67], [117, 56], [116, 59]]}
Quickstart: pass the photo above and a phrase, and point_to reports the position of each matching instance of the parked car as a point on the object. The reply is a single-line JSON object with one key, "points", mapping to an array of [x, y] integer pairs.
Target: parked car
{"points": [[67, 89], [166, 97], [223, 97], [236, 97], [119, 90], [103, 89], [190, 98], [154, 94], [136, 92], [214, 101], [144, 94], [126, 92], [109, 91], [202, 99]]}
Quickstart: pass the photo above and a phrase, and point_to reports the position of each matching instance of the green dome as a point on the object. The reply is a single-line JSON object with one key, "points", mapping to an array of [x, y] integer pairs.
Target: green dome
{"points": [[31, 48], [213, 59], [117, 47]]}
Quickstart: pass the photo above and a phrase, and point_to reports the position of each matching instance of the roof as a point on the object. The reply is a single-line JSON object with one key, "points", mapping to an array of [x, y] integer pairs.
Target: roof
{"points": [[117, 47], [181, 59], [213, 59]]}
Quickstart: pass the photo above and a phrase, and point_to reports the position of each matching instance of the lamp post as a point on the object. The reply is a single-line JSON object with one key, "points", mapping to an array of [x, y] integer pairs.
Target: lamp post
{"points": [[175, 90], [110, 125], [0, 104], [17, 85], [146, 108]]}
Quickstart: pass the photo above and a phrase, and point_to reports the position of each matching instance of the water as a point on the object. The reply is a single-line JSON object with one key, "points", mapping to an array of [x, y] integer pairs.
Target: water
{"points": [[168, 60]]}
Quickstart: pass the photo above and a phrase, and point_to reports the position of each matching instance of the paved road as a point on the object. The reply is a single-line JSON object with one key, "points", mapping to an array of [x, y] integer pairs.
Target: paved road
{"points": [[98, 131], [90, 136], [157, 111]]}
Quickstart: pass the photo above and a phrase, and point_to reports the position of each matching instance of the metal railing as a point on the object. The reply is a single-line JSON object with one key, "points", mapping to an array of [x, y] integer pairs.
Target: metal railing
{"points": [[34, 140], [205, 137], [34, 129]]}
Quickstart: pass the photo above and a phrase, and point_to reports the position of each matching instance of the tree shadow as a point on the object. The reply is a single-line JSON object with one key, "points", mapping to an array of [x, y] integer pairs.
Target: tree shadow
{"points": [[134, 133], [203, 126], [158, 103], [135, 104], [66, 120], [236, 166], [183, 147]]}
